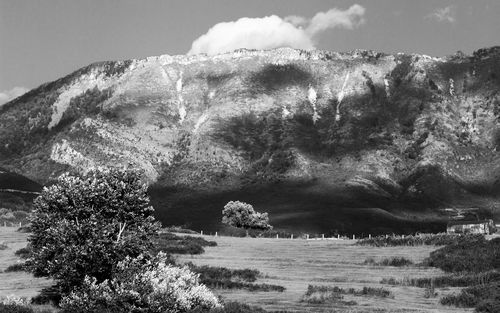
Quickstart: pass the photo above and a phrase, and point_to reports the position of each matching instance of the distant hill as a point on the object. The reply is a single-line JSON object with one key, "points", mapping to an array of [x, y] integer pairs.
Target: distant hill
{"points": [[323, 141], [16, 192]]}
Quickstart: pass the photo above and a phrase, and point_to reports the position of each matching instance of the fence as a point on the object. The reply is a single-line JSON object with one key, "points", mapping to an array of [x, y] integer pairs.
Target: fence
{"points": [[302, 236]]}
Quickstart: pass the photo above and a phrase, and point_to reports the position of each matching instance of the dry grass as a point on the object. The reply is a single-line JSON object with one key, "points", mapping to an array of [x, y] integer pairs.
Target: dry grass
{"points": [[21, 284], [295, 264]]}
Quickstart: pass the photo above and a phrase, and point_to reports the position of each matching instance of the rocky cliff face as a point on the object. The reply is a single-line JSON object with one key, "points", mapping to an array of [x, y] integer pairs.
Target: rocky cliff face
{"points": [[317, 138]]}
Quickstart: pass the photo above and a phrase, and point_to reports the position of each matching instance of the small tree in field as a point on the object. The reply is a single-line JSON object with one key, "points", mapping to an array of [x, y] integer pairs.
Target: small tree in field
{"points": [[241, 214], [84, 225]]}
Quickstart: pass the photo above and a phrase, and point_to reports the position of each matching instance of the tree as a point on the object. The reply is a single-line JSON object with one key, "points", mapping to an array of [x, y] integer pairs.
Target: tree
{"points": [[241, 214], [84, 225]]}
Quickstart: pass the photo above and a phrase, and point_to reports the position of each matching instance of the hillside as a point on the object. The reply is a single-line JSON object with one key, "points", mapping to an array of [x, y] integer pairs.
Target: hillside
{"points": [[324, 141], [16, 193]]}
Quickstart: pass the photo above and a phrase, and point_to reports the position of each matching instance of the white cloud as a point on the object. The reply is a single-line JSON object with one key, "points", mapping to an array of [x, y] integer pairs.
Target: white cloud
{"points": [[447, 14], [7, 95], [274, 32]]}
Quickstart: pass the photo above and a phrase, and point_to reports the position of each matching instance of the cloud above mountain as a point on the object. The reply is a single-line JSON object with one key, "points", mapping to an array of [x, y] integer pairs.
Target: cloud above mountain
{"points": [[7, 95], [274, 32], [446, 15]]}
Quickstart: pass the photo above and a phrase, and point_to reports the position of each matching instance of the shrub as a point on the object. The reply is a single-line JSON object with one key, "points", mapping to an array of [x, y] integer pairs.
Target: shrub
{"points": [[455, 280], [469, 256], [23, 253], [13, 304], [18, 267], [3, 246], [224, 278], [418, 240], [393, 261], [241, 214], [15, 308], [84, 225], [171, 243], [481, 296], [142, 285], [366, 291]]}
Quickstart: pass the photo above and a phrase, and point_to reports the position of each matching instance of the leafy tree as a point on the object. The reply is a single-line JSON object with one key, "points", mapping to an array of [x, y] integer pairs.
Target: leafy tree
{"points": [[241, 214], [84, 225]]}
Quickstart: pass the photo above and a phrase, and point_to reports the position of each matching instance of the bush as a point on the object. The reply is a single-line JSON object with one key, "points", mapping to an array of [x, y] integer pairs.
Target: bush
{"points": [[12, 304], [469, 256], [236, 307], [171, 243], [84, 225], [23, 253], [483, 297], [455, 280], [393, 261], [224, 278], [15, 308], [18, 267], [241, 214], [418, 240], [142, 285], [3, 246], [366, 291]]}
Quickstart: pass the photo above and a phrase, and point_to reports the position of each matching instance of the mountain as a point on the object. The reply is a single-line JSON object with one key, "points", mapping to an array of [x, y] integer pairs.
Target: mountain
{"points": [[323, 141], [16, 192]]}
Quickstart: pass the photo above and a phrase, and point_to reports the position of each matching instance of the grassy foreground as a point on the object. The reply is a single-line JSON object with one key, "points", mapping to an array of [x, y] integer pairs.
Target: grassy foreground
{"points": [[293, 264], [296, 264]]}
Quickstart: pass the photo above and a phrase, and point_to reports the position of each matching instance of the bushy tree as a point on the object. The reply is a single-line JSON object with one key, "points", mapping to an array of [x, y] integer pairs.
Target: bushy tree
{"points": [[241, 214], [142, 285], [84, 225]]}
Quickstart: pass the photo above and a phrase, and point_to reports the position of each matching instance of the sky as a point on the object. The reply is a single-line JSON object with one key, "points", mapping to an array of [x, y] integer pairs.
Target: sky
{"points": [[41, 41]]}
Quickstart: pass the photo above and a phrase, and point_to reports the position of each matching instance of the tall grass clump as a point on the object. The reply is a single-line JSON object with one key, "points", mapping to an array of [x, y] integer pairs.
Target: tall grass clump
{"points": [[224, 278], [453, 280], [316, 293], [393, 261]]}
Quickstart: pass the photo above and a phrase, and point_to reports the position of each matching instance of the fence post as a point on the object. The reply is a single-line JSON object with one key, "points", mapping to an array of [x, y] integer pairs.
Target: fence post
{"points": [[201, 233], [291, 237], [307, 236], [353, 237], [215, 234], [338, 236], [369, 236], [322, 236], [277, 236]]}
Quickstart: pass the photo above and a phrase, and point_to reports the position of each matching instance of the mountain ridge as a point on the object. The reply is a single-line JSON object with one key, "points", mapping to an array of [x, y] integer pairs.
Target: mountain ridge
{"points": [[406, 133]]}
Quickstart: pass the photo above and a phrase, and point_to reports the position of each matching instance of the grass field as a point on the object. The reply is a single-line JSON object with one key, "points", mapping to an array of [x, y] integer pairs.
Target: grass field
{"points": [[295, 264], [20, 284]]}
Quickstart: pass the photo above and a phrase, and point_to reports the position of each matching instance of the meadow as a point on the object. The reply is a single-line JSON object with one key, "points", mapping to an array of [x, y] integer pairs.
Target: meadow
{"points": [[298, 265]]}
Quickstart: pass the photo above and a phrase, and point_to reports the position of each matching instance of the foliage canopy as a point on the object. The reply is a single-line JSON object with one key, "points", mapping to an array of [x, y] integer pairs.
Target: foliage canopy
{"points": [[84, 225], [241, 214]]}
